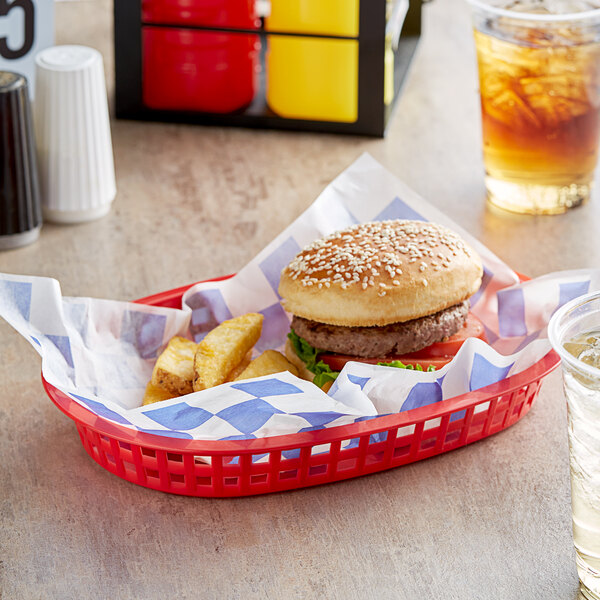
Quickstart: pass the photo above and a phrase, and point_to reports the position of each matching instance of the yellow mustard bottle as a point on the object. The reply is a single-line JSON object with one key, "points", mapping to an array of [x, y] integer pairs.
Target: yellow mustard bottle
{"points": [[313, 78], [325, 17]]}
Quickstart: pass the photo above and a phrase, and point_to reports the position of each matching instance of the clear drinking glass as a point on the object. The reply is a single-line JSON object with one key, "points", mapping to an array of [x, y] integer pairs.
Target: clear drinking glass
{"points": [[539, 80], [574, 332]]}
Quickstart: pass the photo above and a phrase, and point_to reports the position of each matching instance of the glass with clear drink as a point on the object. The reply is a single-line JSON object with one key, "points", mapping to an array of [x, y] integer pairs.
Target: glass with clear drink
{"points": [[574, 333], [539, 80]]}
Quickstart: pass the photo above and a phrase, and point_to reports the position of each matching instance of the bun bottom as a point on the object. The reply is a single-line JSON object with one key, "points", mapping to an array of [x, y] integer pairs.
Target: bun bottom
{"points": [[291, 355]]}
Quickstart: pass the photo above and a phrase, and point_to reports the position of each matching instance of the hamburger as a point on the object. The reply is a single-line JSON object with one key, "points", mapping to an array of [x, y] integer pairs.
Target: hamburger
{"points": [[379, 292]]}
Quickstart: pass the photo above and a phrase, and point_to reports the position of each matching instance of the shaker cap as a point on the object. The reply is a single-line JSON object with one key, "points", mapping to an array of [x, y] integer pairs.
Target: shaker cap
{"points": [[10, 81], [67, 58]]}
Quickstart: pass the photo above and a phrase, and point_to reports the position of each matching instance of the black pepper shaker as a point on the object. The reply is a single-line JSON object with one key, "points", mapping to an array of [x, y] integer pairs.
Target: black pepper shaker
{"points": [[20, 208]]}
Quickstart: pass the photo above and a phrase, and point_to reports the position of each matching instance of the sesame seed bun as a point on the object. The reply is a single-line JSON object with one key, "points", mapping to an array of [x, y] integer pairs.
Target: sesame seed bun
{"points": [[379, 273]]}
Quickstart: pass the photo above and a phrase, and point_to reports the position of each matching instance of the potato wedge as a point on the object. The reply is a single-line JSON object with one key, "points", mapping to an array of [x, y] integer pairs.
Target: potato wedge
{"points": [[174, 369], [155, 393], [233, 375], [223, 349], [269, 362]]}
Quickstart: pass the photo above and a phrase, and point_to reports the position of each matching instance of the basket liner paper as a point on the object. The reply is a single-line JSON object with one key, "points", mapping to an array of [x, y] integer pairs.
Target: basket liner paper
{"points": [[101, 352]]}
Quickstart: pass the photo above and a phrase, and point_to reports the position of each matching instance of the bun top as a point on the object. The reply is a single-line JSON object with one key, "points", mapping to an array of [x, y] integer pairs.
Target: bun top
{"points": [[380, 272]]}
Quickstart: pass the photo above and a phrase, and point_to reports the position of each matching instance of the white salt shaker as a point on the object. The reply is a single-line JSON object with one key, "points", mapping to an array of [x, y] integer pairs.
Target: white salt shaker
{"points": [[74, 149]]}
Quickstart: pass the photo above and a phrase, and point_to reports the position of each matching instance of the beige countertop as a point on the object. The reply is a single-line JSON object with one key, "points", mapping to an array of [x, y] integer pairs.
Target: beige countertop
{"points": [[490, 520]]}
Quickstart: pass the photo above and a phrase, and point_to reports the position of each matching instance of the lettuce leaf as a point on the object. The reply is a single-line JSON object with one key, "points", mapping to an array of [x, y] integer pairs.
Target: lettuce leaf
{"points": [[322, 371], [400, 365], [308, 354]]}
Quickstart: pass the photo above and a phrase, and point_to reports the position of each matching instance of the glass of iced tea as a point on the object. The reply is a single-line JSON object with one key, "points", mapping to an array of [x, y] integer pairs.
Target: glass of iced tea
{"points": [[539, 79], [574, 332]]}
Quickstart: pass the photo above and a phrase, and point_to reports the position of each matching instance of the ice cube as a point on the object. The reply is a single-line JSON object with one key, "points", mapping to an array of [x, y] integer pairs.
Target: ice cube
{"points": [[591, 356], [511, 110], [576, 348], [504, 58], [556, 99], [493, 84], [585, 347], [564, 85], [512, 59], [553, 111]]}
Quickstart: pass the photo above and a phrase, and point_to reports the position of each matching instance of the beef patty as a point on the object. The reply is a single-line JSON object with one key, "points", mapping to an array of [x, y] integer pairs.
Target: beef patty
{"points": [[396, 338]]}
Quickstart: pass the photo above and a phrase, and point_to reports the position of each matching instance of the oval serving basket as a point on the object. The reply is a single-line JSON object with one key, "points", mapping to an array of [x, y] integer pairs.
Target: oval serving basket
{"points": [[286, 462]]}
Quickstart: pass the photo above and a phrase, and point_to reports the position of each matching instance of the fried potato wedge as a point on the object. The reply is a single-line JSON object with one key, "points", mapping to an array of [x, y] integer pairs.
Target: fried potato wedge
{"points": [[155, 393], [174, 369], [223, 349], [269, 362], [235, 372]]}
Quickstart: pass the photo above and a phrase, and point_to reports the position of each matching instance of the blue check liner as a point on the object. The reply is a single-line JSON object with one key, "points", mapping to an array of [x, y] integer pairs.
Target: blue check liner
{"points": [[101, 352]]}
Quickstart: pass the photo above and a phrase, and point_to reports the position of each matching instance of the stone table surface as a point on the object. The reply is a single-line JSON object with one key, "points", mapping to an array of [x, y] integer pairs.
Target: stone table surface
{"points": [[490, 520]]}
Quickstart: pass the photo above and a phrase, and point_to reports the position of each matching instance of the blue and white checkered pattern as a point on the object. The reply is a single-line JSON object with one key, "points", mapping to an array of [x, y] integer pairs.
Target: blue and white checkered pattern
{"points": [[101, 352]]}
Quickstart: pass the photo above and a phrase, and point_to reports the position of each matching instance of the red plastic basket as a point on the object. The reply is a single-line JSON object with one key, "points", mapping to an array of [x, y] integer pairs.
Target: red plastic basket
{"points": [[232, 468]]}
